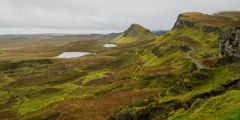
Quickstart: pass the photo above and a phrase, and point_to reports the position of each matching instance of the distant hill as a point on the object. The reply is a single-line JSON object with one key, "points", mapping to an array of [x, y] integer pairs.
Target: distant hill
{"points": [[58, 35], [133, 34], [159, 32]]}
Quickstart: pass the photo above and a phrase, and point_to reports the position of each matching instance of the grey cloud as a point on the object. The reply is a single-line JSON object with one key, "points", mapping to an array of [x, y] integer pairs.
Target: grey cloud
{"points": [[87, 16]]}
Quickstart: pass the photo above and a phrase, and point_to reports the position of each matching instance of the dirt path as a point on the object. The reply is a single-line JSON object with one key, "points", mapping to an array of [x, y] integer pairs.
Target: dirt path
{"points": [[198, 64]]}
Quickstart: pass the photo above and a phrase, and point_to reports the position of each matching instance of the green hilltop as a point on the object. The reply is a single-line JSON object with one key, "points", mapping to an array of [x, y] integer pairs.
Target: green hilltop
{"points": [[134, 33]]}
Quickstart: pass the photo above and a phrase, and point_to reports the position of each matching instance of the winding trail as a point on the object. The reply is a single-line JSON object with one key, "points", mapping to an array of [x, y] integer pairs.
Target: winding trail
{"points": [[195, 61]]}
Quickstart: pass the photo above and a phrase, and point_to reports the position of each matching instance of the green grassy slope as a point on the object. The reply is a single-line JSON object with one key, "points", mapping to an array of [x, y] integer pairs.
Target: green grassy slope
{"points": [[34, 87], [184, 62]]}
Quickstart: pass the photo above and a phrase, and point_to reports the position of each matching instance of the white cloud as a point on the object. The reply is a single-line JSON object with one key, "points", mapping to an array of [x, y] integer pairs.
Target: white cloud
{"points": [[88, 16]]}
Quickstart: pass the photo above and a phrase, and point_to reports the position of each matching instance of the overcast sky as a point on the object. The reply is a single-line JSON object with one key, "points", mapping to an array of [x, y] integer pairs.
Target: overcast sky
{"points": [[99, 16]]}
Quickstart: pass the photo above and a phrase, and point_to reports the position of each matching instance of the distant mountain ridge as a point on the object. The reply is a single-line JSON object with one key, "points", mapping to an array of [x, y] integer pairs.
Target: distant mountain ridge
{"points": [[159, 32]]}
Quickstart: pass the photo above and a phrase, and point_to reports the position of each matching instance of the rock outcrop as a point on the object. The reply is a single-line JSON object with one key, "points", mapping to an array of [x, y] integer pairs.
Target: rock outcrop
{"points": [[180, 23], [230, 46], [209, 29]]}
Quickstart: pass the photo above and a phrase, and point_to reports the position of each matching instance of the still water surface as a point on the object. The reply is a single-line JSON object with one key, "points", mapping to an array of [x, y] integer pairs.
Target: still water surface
{"points": [[72, 54]]}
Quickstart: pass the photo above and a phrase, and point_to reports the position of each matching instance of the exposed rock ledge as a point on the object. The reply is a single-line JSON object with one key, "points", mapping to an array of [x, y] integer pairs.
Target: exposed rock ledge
{"points": [[180, 23], [230, 45]]}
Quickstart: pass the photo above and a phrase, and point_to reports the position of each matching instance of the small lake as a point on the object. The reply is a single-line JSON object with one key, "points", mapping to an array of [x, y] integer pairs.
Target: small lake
{"points": [[109, 45], [72, 54]]}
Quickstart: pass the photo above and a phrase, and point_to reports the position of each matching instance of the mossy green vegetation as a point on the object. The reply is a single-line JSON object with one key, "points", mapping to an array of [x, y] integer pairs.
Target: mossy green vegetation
{"points": [[195, 90], [94, 75], [222, 107], [172, 76]]}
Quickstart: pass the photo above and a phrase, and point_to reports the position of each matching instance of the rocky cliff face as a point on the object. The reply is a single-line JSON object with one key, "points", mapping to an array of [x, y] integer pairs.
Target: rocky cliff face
{"points": [[180, 23], [190, 20], [209, 29], [230, 45]]}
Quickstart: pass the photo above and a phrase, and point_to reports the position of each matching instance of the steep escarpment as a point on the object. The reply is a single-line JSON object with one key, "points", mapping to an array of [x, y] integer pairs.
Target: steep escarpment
{"points": [[208, 23], [230, 45], [193, 39], [181, 22], [190, 92], [134, 33]]}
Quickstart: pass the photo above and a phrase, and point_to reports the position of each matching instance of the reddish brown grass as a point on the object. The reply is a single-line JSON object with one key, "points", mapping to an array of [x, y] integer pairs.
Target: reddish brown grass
{"points": [[209, 63], [161, 70], [100, 108]]}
